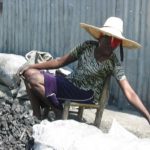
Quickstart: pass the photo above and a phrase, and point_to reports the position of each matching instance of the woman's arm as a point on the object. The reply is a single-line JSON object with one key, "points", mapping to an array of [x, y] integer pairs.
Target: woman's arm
{"points": [[52, 64], [58, 62], [134, 99], [55, 63]]}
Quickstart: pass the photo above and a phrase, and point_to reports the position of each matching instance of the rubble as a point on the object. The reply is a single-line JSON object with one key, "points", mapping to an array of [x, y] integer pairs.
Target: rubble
{"points": [[16, 123]]}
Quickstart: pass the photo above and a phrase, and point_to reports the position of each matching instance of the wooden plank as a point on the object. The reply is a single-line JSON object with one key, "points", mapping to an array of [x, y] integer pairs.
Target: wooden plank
{"points": [[84, 105]]}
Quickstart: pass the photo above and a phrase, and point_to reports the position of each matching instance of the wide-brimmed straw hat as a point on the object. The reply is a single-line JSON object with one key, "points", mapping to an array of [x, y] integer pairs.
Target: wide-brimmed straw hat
{"points": [[112, 27]]}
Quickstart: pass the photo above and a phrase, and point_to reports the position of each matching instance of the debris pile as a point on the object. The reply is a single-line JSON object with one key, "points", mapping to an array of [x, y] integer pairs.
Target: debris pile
{"points": [[16, 123]]}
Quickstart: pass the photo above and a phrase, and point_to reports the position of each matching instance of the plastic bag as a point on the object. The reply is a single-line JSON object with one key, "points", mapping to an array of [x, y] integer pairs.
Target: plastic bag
{"points": [[73, 135], [9, 64]]}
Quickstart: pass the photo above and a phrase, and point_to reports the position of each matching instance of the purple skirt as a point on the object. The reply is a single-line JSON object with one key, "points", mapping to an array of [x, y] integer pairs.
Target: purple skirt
{"points": [[59, 89]]}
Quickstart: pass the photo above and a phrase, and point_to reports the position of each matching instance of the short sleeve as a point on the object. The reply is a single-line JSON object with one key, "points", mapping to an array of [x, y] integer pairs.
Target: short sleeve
{"points": [[118, 71]]}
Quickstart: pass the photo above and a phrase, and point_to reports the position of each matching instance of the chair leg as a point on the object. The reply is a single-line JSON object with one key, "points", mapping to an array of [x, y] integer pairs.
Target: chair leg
{"points": [[66, 110], [80, 113], [98, 118]]}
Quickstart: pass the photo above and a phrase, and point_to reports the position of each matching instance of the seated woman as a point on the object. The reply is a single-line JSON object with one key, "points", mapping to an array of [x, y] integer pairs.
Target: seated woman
{"points": [[96, 61]]}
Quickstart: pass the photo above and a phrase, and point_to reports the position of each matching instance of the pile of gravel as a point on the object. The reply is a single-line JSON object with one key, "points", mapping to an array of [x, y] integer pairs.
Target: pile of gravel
{"points": [[16, 123]]}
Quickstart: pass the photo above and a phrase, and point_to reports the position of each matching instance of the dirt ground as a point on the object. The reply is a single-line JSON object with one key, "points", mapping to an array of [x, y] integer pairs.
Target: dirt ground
{"points": [[130, 120]]}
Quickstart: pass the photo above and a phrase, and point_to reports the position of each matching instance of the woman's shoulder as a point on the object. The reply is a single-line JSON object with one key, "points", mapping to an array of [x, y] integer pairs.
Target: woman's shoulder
{"points": [[115, 60], [90, 42]]}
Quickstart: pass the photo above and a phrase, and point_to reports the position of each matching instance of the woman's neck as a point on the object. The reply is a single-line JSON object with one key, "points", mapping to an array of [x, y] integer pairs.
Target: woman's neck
{"points": [[101, 55]]}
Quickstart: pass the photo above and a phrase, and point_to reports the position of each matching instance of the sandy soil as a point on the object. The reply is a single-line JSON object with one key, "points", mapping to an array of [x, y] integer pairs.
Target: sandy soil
{"points": [[130, 120]]}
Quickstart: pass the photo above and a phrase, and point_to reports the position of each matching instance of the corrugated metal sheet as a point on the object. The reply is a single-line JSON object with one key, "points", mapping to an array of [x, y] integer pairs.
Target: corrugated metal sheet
{"points": [[53, 25]]}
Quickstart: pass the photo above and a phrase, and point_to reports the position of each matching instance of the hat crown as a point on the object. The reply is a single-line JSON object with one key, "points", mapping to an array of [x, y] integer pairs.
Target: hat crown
{"points": [[115, 23]]}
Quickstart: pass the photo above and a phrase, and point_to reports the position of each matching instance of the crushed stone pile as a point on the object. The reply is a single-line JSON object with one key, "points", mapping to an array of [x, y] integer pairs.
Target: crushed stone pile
{"points": [[16, 122]]}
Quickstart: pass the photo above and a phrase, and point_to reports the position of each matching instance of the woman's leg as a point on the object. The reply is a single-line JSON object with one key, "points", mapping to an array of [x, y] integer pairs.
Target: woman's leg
{"points": [[35, 103], [34, 82]]}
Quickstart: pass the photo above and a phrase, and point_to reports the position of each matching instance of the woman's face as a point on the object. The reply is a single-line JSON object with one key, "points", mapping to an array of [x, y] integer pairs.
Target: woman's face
{"points": [[108, 43]]}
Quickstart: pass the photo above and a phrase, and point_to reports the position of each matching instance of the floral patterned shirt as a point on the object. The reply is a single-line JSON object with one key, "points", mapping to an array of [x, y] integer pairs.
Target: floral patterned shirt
{"points": [[90, 73]]}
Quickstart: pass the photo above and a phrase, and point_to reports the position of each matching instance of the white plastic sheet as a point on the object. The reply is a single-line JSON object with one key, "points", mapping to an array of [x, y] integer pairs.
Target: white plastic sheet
{"points": [[72, 135]]}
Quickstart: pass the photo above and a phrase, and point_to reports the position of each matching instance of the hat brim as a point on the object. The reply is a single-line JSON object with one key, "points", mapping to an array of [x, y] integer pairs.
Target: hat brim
{"points": [[96, 33]]}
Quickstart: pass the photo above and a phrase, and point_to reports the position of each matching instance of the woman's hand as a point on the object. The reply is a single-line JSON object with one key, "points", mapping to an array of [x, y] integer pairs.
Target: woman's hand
{"points": [[22, 69]]}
